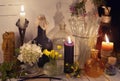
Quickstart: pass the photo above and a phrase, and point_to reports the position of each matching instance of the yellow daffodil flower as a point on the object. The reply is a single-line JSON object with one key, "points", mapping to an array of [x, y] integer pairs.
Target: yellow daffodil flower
{"points": [[56, 53], [52, 54], [66, 64], [78, 76], [46, 52], [60, 56], [67, 75], [59, 47]]}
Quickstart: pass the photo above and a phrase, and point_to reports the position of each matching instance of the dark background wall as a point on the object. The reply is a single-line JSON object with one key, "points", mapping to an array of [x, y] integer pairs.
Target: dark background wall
{"points": [[115, 22]]}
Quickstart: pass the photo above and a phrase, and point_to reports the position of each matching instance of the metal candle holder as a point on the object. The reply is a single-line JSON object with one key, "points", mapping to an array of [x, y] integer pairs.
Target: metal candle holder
{"points": [[22, 29]]}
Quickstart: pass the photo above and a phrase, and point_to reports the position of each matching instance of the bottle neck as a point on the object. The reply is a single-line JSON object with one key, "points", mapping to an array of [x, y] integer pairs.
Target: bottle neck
{"points": [[62, 27], [41, 33], [94, 53], [105, 19]]}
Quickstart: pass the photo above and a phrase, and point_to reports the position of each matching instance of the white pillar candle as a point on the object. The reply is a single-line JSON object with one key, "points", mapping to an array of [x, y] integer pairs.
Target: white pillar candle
{"points": [[22, 17]]}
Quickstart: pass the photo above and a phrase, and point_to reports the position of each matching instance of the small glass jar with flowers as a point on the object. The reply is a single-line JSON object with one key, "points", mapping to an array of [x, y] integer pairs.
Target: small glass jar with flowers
{"points": [[29, 54], [51, 68]]}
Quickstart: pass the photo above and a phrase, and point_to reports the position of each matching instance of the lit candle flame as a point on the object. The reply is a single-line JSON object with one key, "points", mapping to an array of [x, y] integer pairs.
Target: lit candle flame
{"points": [[106, 38], [69, 39], [22, 13], [22, 8]]}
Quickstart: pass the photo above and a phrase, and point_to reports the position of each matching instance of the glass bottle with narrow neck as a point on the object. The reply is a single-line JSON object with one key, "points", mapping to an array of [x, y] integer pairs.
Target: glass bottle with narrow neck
{"points": [[94, 67], [104, 28]]}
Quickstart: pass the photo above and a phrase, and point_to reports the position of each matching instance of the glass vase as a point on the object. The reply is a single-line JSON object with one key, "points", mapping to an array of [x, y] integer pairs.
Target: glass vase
{"points": [[85, 35], [83, 45], [31, 69], [51, 68], [59, 38]]}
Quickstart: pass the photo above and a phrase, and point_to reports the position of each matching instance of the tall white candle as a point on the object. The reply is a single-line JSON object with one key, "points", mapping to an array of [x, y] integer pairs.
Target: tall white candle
{"points": [[22, 17]]}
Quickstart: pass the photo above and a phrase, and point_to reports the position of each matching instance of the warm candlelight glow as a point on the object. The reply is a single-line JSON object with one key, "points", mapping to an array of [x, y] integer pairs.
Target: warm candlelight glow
{"points": [[69, 39], [106, 38], [106, 45], [22, 8], [22, 16], [22, 13]]}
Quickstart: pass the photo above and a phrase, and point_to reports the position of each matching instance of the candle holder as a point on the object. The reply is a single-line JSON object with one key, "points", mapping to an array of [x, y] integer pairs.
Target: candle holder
{"points": [[22, 29]]}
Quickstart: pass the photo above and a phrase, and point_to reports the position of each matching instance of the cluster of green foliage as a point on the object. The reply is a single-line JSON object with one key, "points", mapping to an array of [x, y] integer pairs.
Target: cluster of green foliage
{"points": [[9, 70]]}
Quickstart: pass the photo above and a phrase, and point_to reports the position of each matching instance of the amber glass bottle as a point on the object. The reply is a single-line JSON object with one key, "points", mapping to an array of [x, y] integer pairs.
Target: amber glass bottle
{"points": [[94, 67], [104, 28]]}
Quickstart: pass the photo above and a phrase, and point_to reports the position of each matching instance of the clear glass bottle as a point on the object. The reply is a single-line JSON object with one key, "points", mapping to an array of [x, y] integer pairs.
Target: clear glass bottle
{"points": [[94, 67]]}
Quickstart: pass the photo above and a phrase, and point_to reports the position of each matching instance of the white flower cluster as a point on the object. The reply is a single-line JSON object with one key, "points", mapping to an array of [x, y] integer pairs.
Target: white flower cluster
{"points": [[30, 53]]}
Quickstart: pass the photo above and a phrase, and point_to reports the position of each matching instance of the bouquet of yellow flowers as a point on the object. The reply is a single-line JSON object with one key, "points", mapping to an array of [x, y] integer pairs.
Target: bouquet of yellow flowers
{"points": [[52, 55], [51, 67]]}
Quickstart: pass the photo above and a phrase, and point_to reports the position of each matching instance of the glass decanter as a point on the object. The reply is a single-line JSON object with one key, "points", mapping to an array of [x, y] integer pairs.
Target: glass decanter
{"points": [[104, 28], [45, 43], [94, 67]]}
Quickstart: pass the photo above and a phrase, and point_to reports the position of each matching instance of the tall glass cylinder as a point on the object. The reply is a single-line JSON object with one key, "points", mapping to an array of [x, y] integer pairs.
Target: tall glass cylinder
{"points": [[58, 42], [85, 33]]}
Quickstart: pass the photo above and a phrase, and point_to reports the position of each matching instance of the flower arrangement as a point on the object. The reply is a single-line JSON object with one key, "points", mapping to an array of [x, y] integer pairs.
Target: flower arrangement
{"points": [[51, 68], [76, 71], [29, 53], [78, 8], [52, 55]]}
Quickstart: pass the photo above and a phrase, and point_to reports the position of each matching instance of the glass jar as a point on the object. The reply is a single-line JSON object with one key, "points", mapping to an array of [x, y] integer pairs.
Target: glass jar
{"points": [[58, 43], [84, 27], [51, 68], [94, 67], [110, 66], [31, 69], [59, 38]]}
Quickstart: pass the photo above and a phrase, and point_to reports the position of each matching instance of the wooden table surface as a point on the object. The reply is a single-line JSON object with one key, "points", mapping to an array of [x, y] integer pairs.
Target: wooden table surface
{"points": [[103, 77]]}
